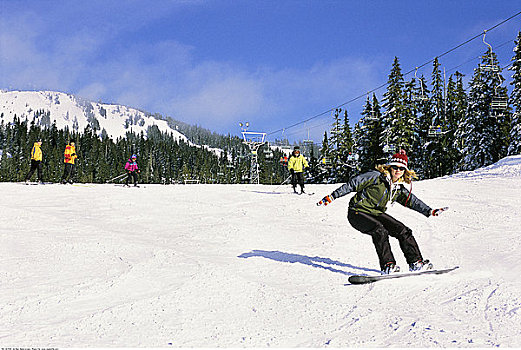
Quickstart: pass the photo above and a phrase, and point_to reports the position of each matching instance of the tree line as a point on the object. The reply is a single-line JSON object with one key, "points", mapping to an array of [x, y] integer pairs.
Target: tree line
{"points": [[161, 158], [443, 127]]}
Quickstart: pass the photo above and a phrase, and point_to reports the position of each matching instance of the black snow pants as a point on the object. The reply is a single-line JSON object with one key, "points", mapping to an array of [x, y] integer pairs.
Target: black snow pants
{"points": [[35, 165], [380, 228], [132, 175], [68, 173], [297, 178]]}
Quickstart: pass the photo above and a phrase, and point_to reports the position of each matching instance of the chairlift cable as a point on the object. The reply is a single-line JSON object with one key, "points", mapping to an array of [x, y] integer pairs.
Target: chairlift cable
{"points": [[405, 74]]}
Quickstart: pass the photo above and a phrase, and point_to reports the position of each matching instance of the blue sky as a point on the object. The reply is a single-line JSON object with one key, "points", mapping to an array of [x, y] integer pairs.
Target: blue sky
{"points": [[216, 63]]}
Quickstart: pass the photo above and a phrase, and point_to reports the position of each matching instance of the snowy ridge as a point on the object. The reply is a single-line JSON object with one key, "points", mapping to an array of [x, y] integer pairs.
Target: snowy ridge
{"points": [[76, 113], [253, 266], [506, 167]]}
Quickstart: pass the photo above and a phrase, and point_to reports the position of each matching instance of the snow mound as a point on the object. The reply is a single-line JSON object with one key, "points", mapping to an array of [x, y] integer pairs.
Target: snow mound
{"points": [[506, 167]]}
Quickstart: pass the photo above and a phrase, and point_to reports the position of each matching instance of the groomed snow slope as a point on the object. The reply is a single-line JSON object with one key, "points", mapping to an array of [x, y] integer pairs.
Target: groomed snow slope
{"points": [[253, 266]]}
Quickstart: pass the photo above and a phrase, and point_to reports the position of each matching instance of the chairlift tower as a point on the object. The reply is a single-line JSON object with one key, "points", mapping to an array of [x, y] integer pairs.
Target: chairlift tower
{"points": [[254, 140]]}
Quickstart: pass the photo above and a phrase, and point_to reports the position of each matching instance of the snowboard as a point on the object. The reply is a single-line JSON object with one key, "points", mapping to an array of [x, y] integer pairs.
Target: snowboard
{"points": [[360, 279]]}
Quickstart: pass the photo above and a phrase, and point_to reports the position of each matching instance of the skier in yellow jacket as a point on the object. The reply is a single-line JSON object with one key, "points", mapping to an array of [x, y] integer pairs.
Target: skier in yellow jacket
{"points": [[296, 165], [36, 161], [69, 158]]}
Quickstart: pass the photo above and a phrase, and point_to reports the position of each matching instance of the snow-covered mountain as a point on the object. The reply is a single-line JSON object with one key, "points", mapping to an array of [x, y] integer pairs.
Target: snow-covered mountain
{"points": [[76, 113]]}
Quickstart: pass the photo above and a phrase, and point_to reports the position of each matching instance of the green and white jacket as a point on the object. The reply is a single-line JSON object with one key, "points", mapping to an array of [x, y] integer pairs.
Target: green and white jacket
{"points": [[374, 190]]}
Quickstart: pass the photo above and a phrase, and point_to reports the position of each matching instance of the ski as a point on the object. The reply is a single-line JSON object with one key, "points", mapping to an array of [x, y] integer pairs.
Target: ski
{"points": [[35, 183], [361, 279], [127, 186]]}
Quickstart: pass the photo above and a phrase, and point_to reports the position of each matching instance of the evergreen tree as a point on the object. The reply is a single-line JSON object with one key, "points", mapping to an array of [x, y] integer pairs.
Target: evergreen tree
{"points": [[397, 123], [368, 133], [436, 155], [346, 158], [515, 100], [423, 108], [456, 105], [326, 158], [483, 130]]}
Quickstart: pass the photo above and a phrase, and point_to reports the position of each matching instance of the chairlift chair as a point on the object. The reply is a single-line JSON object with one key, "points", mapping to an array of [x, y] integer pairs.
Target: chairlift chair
{"points": [[326, 161], [389, 148], [434, 131], [421, 97], [352, 157], [499, 103], [268, 153], [489, 68], [371, 117]]}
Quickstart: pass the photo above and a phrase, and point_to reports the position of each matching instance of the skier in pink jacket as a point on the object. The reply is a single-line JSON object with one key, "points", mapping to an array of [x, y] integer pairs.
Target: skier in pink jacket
{"points": [[132, 170]]}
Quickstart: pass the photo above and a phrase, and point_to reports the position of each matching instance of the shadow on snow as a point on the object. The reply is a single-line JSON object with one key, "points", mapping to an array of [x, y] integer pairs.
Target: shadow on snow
{"points": [[323, 263]]}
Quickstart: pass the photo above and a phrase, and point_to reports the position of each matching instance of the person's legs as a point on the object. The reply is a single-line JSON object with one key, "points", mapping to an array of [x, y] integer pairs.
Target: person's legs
{"points": [[370, 225], [300, 177], [34, 166], [403, 234]]}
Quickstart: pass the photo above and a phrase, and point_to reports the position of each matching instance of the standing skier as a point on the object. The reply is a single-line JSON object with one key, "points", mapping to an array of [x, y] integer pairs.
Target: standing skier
{"points": [[36, 161], [132, 170], [367, 207], [296, 165], [69, 158]]}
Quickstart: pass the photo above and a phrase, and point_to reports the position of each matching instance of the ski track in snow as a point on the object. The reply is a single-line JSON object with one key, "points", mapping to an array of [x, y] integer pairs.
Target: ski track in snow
{"points": [[253, 266]]}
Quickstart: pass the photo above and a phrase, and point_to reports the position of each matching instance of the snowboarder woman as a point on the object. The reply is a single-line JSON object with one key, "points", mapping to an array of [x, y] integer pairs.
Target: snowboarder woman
{"points": [[132, 170], [69, 159], [36, 161], [366, 212], [296, 165]]}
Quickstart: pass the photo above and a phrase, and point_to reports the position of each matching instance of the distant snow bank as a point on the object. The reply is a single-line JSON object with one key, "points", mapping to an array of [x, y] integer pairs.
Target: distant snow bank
{"points": [[506, 167]]}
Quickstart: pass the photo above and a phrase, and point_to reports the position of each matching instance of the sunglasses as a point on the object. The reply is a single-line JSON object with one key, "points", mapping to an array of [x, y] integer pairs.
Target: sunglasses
{"points": [[401, 168]]}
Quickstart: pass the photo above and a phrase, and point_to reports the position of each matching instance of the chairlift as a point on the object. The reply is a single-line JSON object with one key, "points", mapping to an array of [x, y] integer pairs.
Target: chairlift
{"points": [[268, 153], [422, 96], [434, 131], [326, 162], [371, 117], [389, 148], [352, 157], [499, 103], [490, 66]]}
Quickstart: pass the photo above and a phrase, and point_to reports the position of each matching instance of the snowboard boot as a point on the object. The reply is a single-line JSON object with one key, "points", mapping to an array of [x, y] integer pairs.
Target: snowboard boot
{"points": [[420, 265], [390, 267]]}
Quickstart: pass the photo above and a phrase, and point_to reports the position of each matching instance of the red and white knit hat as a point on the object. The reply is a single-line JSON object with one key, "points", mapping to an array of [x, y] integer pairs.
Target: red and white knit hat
{"points": [[400, 159]]}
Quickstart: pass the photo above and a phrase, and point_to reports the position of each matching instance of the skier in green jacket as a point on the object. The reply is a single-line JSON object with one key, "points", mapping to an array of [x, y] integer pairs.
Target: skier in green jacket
{"points": [[366, 213]]}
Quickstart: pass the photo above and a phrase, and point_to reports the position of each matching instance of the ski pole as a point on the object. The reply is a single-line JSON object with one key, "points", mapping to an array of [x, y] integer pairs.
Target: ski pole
{"points": [[117, 177], [283, 182], [289, 177]]}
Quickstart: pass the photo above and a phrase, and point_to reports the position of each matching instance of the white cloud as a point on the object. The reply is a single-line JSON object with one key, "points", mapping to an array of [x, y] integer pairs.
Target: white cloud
{"points": [[167, 78], [224, 100]]}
